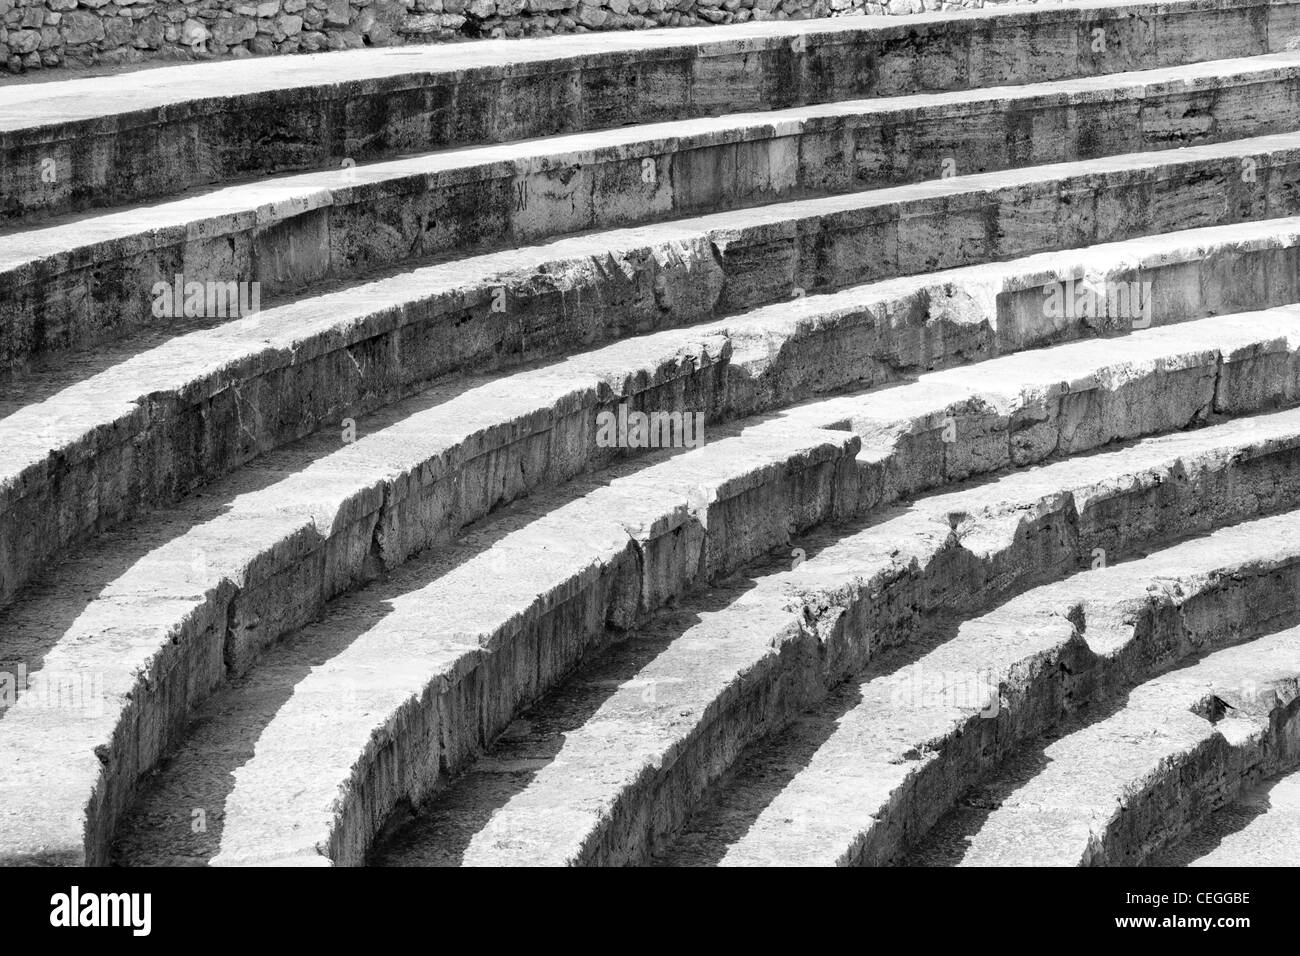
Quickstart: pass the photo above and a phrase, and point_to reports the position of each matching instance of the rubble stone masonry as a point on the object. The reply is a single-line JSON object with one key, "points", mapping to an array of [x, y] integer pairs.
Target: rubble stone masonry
{"points": [[50, 33]]}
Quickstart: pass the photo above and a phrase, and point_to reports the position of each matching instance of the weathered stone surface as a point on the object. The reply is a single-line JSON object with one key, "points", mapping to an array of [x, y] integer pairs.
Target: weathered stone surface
{"points": [[119, 32], [709, 96], [422, 24], [1109, 628], [25, 41], [498, 18], [1116, 791], [194, 33], [744, 248], [786, 437], [1260, 827], [233, 30], [338, 13], [715, 664], [590, 15], [992, 377]]}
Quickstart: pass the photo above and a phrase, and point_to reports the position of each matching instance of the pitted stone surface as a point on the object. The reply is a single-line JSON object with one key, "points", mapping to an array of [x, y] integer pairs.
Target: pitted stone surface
{"points": [[989, 332]]}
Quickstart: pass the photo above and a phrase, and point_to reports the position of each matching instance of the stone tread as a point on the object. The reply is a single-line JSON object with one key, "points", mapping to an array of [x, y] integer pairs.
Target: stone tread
{"points": [[454, 565], [1055, 802], [36, 105], [883, 417], [853, 780], [313, 515], [548, 788], [265, 202], [105, 411], [744, 257], [1260, 828], [126, 633]]}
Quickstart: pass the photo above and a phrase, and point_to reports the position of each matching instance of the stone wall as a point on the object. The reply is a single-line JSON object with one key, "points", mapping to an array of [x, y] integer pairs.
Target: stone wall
{"points": [[47, 33]]}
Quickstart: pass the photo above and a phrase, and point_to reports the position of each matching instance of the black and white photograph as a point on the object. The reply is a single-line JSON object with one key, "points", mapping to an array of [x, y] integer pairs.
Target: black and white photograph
{"points": [[650, 434]]}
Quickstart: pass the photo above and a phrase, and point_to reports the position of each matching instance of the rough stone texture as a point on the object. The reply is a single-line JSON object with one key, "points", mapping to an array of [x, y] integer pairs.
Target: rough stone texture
{"points": [[345, 106], [1068, 648], [740, 261], [1116, 789], [737, 529], [333, 224], [1261, 827], [370, 535], [743, 661], [129, 31], [386, 22]]}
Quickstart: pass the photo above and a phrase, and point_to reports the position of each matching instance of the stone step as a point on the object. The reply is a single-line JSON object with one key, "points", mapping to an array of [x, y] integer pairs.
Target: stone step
{"points": [[79, 143], [605, 767], [95, 278], [865, 775], [538, 592], [1168, 378], [964, 529], [1261, 827], [167, 605], [1138, 775], [689, 269], [203, 403]]}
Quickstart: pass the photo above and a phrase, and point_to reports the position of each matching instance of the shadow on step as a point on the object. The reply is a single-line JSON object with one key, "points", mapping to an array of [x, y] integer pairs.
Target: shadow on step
{"points": [[1225, 823], [1023, 781], [247, 732], [148, 349], [62, 605], [769, 765], [948, 841], [225, 734], [442, 831], [162, 559]]}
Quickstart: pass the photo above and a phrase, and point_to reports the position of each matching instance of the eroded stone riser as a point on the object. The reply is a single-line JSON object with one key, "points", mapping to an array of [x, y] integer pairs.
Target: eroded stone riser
{"points": [[1036, 697], [953, 318], [474, 709], [1075, 422], [153, 151], [97, 35], [1222, 282], [1045, 691], [414, 580], [298, 565], [1166, 630], [519, 457], [91, 488], [458, 720], [190, 669], [1123, 779], [832, 634], [100, 292], [912, 471], [303, 575], [1196, 785], [649, 288], [346, 563], [655, 805]]}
